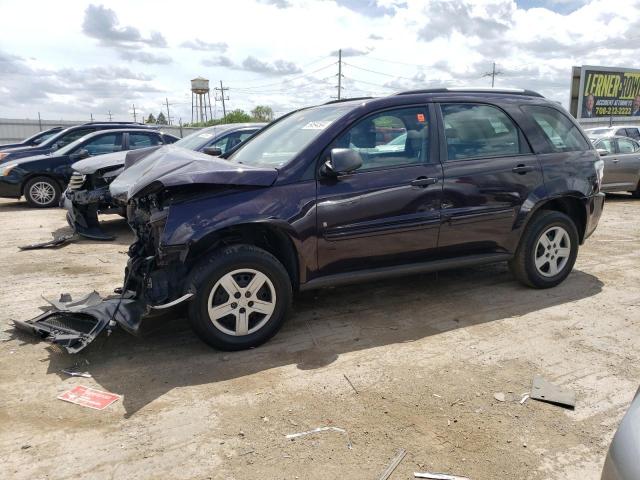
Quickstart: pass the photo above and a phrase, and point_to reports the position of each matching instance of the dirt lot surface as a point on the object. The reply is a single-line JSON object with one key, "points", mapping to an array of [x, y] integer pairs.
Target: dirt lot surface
{"points": [[425, 356]]}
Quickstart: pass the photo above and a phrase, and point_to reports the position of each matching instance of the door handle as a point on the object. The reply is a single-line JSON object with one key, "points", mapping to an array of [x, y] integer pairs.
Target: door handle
{"points": [[522, 169], [423, 181], [615, 160]]}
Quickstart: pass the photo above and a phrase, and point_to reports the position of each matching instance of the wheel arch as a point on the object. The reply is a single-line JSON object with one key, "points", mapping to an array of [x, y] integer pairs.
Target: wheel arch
{"points": [[33, 175], [272, 236], [571, 205]]}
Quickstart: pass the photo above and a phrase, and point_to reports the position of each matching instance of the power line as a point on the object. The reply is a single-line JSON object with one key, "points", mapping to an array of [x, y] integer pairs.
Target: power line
{"points": [[291, 79], [378, 73]]}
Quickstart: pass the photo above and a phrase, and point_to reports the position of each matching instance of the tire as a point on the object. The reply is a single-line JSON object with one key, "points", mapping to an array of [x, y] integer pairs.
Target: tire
{"points": [[224, 329], [636, 192], [42, 192], [540, 263]]}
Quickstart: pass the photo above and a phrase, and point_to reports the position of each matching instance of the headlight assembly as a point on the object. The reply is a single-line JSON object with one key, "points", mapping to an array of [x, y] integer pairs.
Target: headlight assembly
{"points": [[6, 169]]}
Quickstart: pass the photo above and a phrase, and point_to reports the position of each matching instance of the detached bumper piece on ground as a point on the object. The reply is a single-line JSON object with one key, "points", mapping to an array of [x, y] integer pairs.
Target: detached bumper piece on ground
{"points": [[74, 325]]}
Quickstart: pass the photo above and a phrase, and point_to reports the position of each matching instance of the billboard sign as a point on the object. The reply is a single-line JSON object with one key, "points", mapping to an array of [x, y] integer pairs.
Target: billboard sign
{"points": [[607, 92]]}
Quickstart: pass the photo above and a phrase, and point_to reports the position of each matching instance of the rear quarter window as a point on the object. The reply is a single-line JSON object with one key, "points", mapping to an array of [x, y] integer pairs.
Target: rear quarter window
{"points": [[560, 133]]}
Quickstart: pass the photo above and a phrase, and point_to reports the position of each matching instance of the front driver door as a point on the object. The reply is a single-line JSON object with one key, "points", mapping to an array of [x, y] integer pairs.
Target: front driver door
{"points": [[388, 211]]}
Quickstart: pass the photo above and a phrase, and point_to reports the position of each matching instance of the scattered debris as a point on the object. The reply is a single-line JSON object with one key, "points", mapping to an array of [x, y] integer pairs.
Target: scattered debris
{"points": [[499, 396], [548, 392], [394, 464], [25, 447], [55, 243], [437, 396], [76, 374], [89, 397], [459, 400], [349, 381], [315, 430], [525, 397], [438, 476]]}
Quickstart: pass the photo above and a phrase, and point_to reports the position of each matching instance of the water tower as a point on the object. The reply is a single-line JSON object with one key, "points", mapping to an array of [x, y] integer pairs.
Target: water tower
{"points": [[200, 100]]}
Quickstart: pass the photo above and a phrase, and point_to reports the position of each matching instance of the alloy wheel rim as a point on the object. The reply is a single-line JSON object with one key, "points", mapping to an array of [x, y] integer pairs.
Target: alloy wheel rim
{"points": [[42, 193], [552, 251], [241, 302]]}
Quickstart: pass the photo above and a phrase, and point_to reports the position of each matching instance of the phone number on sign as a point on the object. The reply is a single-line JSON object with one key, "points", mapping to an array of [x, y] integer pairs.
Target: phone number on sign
{"points": [[613, 111]]}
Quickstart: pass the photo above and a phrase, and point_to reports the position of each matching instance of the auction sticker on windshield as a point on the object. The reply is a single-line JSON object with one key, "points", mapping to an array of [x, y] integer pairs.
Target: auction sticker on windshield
{"points": [[316, 125], [89, 397]]}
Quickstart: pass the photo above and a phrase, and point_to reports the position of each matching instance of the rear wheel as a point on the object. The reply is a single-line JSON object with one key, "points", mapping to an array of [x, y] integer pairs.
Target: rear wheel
{"points": [[243, 295], [42, 192], [547, 250], [636, 192]]}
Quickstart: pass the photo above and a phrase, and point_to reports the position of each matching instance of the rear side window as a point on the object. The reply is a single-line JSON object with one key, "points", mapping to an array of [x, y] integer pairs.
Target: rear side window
{"points": [[73, 136], [476, 131], [561, 133], [142, 140], [633, 133], [626, 146]]}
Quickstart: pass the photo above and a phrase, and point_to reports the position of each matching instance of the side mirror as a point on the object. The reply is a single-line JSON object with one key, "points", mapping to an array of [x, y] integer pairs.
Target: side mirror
{"points": [[342, 161], [55, 147], [80, 154], [602, 152], [213, 151]]}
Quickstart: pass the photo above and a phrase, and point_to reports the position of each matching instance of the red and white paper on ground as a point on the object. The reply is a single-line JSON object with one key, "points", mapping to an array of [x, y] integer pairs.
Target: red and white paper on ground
{"points": [[89, 397]]}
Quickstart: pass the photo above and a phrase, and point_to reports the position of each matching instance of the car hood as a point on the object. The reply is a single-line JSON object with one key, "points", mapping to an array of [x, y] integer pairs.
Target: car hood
{"points": [[91, 165], [173, 166], [34, 158]]}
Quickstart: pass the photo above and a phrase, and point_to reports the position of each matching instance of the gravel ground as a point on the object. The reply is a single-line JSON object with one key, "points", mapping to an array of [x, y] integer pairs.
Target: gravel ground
{"points": [[424, 356]]}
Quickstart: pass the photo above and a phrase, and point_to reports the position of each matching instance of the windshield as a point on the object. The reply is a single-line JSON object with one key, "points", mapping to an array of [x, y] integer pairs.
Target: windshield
{"points": [[44, 137], [68, 148], [279, 143], [197, 139]]}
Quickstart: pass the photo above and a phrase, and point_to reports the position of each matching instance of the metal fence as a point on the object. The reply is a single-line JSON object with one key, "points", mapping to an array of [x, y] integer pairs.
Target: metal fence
{"points": [[15, 130]]}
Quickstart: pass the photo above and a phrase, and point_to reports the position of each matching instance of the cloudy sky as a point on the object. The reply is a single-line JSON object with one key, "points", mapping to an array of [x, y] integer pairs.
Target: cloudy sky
{"points": [[73, 59]]}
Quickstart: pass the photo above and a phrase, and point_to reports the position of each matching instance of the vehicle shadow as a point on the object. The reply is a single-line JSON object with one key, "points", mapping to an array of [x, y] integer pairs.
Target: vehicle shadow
{"points": [[324, 325], [114, 225], [619, 197]]}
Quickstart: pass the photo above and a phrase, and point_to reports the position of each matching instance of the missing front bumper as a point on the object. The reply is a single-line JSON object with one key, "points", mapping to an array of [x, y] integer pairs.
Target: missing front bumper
{"points": [[74, 325]]}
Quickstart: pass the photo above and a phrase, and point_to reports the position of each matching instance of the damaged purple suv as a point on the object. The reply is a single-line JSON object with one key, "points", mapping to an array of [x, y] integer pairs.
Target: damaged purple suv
{"points": [[345, 192]]}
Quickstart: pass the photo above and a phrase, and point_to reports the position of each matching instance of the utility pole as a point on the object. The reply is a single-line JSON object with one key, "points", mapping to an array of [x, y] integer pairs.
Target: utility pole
{"points": [[135, 117], [91, 114], [339, 72], [222, 89], [39, 121], [492, 74], [109, 115], [168, 114]]}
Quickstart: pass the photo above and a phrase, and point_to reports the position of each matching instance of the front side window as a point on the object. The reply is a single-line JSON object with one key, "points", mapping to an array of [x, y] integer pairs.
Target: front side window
{"points": [[286, 138], [476, 131], [108, 143], [561, 134], [626, 146], [142, 140], [390, 138], [232, 140], [606, 144]]}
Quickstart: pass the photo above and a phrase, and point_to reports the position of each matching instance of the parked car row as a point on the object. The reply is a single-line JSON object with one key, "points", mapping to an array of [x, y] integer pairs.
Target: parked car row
{"points": [[41, 177], [88, 192]]}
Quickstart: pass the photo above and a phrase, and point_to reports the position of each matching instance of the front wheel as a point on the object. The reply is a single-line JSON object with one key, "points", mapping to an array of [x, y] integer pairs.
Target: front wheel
{"points": [[242, 297], [42, 192], [547, 250]]}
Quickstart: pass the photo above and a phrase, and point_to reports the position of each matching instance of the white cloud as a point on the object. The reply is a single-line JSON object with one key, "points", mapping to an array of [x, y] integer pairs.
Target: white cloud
{"points": [[277, 51]]}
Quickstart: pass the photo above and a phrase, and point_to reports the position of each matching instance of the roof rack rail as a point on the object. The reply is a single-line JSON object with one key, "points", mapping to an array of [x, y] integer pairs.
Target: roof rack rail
{"points": [[347, 100], [504, 91]]}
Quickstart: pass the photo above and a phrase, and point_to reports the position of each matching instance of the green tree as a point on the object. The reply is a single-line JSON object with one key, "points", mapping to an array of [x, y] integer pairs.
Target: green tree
{"points": [[151, 118], [237, 116], [161, 119], [262, 113]]}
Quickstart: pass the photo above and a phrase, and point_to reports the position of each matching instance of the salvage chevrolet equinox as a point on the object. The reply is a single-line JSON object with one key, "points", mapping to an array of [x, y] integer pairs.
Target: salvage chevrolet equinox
{"points": [[345, 192]]}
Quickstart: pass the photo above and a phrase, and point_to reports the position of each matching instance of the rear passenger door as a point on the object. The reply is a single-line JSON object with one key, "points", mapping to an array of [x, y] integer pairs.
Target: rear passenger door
{"points": [[489, 172]]}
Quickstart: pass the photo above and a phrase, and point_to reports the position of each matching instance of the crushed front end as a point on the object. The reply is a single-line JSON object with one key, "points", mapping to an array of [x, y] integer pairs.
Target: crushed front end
{"points": [[85, 197], [153, 281]]}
